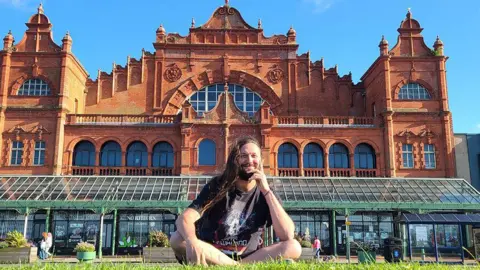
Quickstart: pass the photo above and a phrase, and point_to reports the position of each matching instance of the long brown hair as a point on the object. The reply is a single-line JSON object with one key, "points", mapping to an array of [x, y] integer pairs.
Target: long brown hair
{"points": [[220, 185]]}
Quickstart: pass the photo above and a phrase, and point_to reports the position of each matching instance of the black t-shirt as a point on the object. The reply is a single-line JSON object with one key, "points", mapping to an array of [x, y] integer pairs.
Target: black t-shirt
{"points": [[234, 224]]}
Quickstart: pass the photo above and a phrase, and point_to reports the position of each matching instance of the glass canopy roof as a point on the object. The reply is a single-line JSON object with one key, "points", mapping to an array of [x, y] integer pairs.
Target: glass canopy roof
{"points": [[300, 192]]}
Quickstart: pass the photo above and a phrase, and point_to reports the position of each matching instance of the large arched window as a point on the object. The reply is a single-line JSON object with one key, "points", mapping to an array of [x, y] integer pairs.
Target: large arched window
{"points": [[34, 87], [162, 155], [245, 99], [413, 91], [338, 156], [111, 155], [313, 156], [84, 154], [137, 155], [207, 154], [365, 157], [287, 156]]}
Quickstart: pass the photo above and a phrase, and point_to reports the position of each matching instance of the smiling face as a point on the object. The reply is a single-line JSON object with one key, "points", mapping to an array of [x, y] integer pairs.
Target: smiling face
{"points": [[249, 158]]}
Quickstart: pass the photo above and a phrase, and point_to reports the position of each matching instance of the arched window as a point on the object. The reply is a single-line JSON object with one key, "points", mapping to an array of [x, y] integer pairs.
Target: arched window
{"points": [[34, 87], [162, 155], [111, 155], [287, 156], [207, 154], [413, 91], [84, 154], [137, 155], [338, 156], [313, 156], [245, 99], [365, 157]]}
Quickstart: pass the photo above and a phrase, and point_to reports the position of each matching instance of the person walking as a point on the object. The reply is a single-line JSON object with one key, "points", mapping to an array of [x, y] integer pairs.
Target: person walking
{"points": [[317, 246], [43, 255]]}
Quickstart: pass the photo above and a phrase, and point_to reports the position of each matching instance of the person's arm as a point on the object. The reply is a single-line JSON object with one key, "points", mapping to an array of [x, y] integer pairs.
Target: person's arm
{"points": [[186, 224], [281, 221]]}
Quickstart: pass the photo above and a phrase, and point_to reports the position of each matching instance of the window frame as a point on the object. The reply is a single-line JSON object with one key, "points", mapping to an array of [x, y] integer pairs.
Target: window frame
{"points": [[333, 154], [235, 89], [318, 156], [363, 156], [39, 153], [413, 92], [169, 155], [200, 151], [407, 153], [293, 155], [89, 154], [29, 88], [430, 153], [18, 151]]}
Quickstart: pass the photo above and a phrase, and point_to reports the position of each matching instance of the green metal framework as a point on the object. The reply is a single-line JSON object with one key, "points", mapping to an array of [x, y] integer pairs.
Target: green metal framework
{"points": [[173, 193]]}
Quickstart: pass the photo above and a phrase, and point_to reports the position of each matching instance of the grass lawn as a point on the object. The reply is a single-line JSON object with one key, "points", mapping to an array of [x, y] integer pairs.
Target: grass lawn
{"points": [[283, 266]]}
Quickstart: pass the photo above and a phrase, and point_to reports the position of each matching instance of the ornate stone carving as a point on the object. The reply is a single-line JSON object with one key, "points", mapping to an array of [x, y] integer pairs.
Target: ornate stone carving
{"points": [[275, 75], [173, 73]]}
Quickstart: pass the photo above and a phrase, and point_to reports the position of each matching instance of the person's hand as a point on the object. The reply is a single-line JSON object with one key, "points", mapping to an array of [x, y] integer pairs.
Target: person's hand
{"points": [[195, 252], [261, 179]]}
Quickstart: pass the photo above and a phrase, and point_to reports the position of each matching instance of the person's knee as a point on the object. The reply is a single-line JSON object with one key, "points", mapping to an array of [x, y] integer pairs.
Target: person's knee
{"points": [[293, 249]]}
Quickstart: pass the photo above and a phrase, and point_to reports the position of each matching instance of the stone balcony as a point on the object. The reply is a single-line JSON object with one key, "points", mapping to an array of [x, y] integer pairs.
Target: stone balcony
{"points": [[121, 119], [323, 121], [275, 121]]}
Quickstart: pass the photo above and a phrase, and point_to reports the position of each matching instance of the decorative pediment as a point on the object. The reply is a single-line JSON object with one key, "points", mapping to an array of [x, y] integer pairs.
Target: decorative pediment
{"points": [[406, 134], [227, 111], [226, 17], [17, 130], [427, 133]]}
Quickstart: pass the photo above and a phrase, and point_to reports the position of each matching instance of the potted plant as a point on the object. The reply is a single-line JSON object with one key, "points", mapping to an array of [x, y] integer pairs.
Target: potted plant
{"points": [[158, 249], [85, 252], [367, 252], [15, 249]]}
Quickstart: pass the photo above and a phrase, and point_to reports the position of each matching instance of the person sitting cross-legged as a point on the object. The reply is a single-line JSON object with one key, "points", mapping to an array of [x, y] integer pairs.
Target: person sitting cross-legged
{"points": [[224, 224]]}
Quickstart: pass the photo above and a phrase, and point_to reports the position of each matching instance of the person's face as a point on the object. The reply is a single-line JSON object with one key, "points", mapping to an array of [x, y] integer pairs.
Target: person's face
{"points": [[249, 158]]}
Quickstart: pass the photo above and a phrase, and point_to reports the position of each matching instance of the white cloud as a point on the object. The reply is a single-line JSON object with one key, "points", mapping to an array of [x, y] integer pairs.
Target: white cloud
{"points": [[320, 5], [21, 4]]}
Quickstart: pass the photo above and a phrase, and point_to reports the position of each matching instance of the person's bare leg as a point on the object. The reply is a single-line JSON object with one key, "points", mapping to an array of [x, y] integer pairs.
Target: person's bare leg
{"points": [[289, 249], [212, 255]]}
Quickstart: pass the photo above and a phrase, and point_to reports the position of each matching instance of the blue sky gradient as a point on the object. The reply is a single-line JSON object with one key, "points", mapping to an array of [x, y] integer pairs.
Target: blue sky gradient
{"points": [[344, 32]]}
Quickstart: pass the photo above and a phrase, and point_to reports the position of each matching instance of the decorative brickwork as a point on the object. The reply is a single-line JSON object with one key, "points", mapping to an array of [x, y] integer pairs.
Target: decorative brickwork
{"points": [[146, 101]]}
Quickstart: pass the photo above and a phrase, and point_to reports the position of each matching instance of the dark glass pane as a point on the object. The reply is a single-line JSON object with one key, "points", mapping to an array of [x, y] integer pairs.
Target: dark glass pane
{"points": [[207, 153]]}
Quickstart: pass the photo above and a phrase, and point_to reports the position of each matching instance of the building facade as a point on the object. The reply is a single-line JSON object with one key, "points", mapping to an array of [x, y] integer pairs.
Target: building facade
{"points": [[176, 110], [467, 156]]}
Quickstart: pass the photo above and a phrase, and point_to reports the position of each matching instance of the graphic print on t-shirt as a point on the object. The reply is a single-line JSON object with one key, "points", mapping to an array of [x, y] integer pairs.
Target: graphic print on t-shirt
{"points": [[234, 233]]}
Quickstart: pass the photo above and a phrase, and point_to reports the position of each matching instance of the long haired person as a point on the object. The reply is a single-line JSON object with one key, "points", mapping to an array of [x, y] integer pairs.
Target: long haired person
{"points": [[224, 224]]}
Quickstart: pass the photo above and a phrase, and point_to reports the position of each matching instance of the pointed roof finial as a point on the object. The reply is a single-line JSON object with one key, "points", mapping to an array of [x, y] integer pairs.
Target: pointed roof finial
{"points": [[438, 41], [226, 3], [409, 13], [40, 8], [259, 23], [193, 23], [383, 41]]}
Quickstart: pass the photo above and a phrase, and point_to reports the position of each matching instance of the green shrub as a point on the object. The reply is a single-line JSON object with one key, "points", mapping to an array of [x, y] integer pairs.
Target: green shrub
{"points": [[15, 239], [84, 247], [305, 244], [3, 245], [158, 239]]}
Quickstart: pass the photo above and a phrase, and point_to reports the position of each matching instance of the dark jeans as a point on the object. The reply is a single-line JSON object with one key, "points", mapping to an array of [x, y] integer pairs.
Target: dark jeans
{"points": [[317, 253]]}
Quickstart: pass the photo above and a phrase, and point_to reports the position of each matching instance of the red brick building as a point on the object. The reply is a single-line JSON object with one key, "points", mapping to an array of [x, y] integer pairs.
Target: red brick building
{"points": [[401, 100], [176, 110]]}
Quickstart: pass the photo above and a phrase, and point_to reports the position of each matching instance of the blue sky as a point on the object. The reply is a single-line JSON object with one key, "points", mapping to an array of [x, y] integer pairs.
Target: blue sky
{"points": [[344, 32]]}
